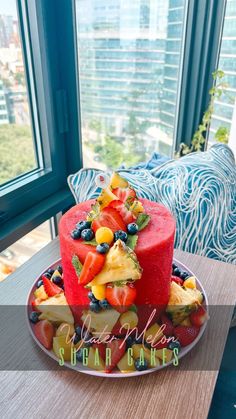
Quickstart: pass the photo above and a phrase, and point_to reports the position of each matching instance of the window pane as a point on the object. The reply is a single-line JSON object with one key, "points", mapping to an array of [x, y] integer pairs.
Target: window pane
{"points": [[225, 108], [17, 155], [129, 59], [23, 249]]}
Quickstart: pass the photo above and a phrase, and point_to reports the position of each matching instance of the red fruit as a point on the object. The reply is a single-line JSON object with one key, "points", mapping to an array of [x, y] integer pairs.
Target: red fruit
{"points": [[176, 279], [125, 194], [110, 218], [169, 328], [35, 303], [121, 297], [199, 317], [92, 266], [160, 345], [51, 289], [44, 332], [117, 351], [126, 215], [186, 334], [101, 349]]}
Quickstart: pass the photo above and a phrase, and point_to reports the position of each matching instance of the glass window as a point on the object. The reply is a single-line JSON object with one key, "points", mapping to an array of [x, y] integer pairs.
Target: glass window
{"points": [[17, 149], [129, 57], [225, 108]]}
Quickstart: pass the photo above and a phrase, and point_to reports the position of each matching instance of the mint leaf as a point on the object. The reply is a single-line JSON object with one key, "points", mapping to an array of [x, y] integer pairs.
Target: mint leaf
{"points": [[142, 221], [77, 265], [132, 241], [91, 242]]}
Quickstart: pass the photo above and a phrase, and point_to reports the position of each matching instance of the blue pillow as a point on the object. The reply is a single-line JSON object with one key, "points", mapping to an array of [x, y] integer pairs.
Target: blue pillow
{"points": [[200, 191]]}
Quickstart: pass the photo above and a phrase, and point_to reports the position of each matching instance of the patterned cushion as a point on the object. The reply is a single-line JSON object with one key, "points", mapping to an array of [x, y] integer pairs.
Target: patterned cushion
{"points": [[200, 191]]}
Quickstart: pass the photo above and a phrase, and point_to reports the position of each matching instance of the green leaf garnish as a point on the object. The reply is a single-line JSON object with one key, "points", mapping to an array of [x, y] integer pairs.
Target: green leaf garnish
{"points": [[132, 241], [142, 221], [77, 265], [91, 242]]}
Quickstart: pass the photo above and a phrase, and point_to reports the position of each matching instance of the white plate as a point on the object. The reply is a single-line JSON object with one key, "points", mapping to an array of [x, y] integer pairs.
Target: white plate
{"points": [[115, 374]]}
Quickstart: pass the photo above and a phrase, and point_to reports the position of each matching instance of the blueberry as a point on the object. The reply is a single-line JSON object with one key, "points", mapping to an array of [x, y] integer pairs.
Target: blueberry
{"points": [[39, 283], [34, 317], [76, 339], [141, 365], [82, 225], [174, 266], [129, 342], [184, 275], [47, 275], [76, 234], [87, 234], [78, 330], [172, 345], [104, 304], [120, 234], [59, 269], [138, 340], [79, 355], [132, 228], [87, 337], [57, 280], [176, 272], [94, 307], [92, 297], [103, 248], [50, 271], [147, 345]]}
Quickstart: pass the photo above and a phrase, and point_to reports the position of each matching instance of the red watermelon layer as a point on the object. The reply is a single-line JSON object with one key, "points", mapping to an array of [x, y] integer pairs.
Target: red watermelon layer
{"points": [[154, 251]]}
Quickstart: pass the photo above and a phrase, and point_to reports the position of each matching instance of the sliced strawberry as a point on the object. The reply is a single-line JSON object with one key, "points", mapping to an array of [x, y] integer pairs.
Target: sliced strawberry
{"points": [[186, 334], [126, 215], [110, 218], [169, 328], [92, 266], [50, 288], [125, 194], [44, 332], [160, 345], [117, 351], [101, 349], [121, 296], [199, 317], [176, 279]]}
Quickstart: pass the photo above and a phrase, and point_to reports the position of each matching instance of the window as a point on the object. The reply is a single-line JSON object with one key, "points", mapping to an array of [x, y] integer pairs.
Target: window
{"points": [[129, 61], [225, 108]]}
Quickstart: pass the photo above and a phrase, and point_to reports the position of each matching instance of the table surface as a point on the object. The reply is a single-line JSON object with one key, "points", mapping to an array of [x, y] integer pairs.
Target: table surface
{"points": [[170, 393]]}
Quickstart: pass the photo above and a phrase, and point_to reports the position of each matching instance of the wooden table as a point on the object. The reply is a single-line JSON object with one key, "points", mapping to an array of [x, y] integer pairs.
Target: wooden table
{"points": [[170, 393]]}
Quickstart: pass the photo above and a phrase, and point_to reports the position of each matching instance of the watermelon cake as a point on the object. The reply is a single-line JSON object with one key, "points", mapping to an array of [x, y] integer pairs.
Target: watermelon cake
{"points": [[117, 289]]}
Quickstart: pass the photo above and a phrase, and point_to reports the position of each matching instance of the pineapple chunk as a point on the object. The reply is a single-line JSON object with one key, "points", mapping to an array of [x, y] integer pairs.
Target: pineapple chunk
{"points": [[181, 303], [96, 322], [196, 294], [136, 208], [57, 309], [40, 293], [149, 355], [121, 264], [117, 181], [154, 333], [124, 366], [190, 283], [60, 342], [106, 197], [95, 361]]}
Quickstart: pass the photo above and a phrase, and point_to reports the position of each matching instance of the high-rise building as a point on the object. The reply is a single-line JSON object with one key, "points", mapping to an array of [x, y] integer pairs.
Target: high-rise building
{"points": [[3, 106]]}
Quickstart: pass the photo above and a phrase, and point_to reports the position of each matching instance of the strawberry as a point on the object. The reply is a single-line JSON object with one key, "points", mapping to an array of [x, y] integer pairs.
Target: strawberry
{"points": [[50, 288], [35, 303], [121, 296], [160, 345], [186, 334], [44, 332], [110, 218], [117, 351], [169, 328], [199, 317], [126, 215], [176, 279], [126, 195], [92, 266], [101, 349]]}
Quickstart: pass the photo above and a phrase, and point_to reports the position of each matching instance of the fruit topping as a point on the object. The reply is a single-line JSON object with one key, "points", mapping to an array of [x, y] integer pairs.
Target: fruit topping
{"points": [[101, 350], [120, 207], [117, 181], [59, 269], [120, 235], [110, 218], [39, 283], [177, 280], [136, 208], [117, 350], [181, 303], [65, 329], [34, 317], [132, 228], [44, 332], [141, 364], [121, 297], [174, 344], [92, 266], [129, 320], [142, 221], [50, 288], [55, 309], [104, 303], [199, 317], [87, 234], [95, 361], [91, 295], [76, 234], [126, 195], [190, 283], [186, 334], [94, 306], [104, 235], [169, 328], [95, 321], [184, 275], [121, 264], [62, 347], [103, 248], [40, 293], [105, 198], [83, 225]]}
